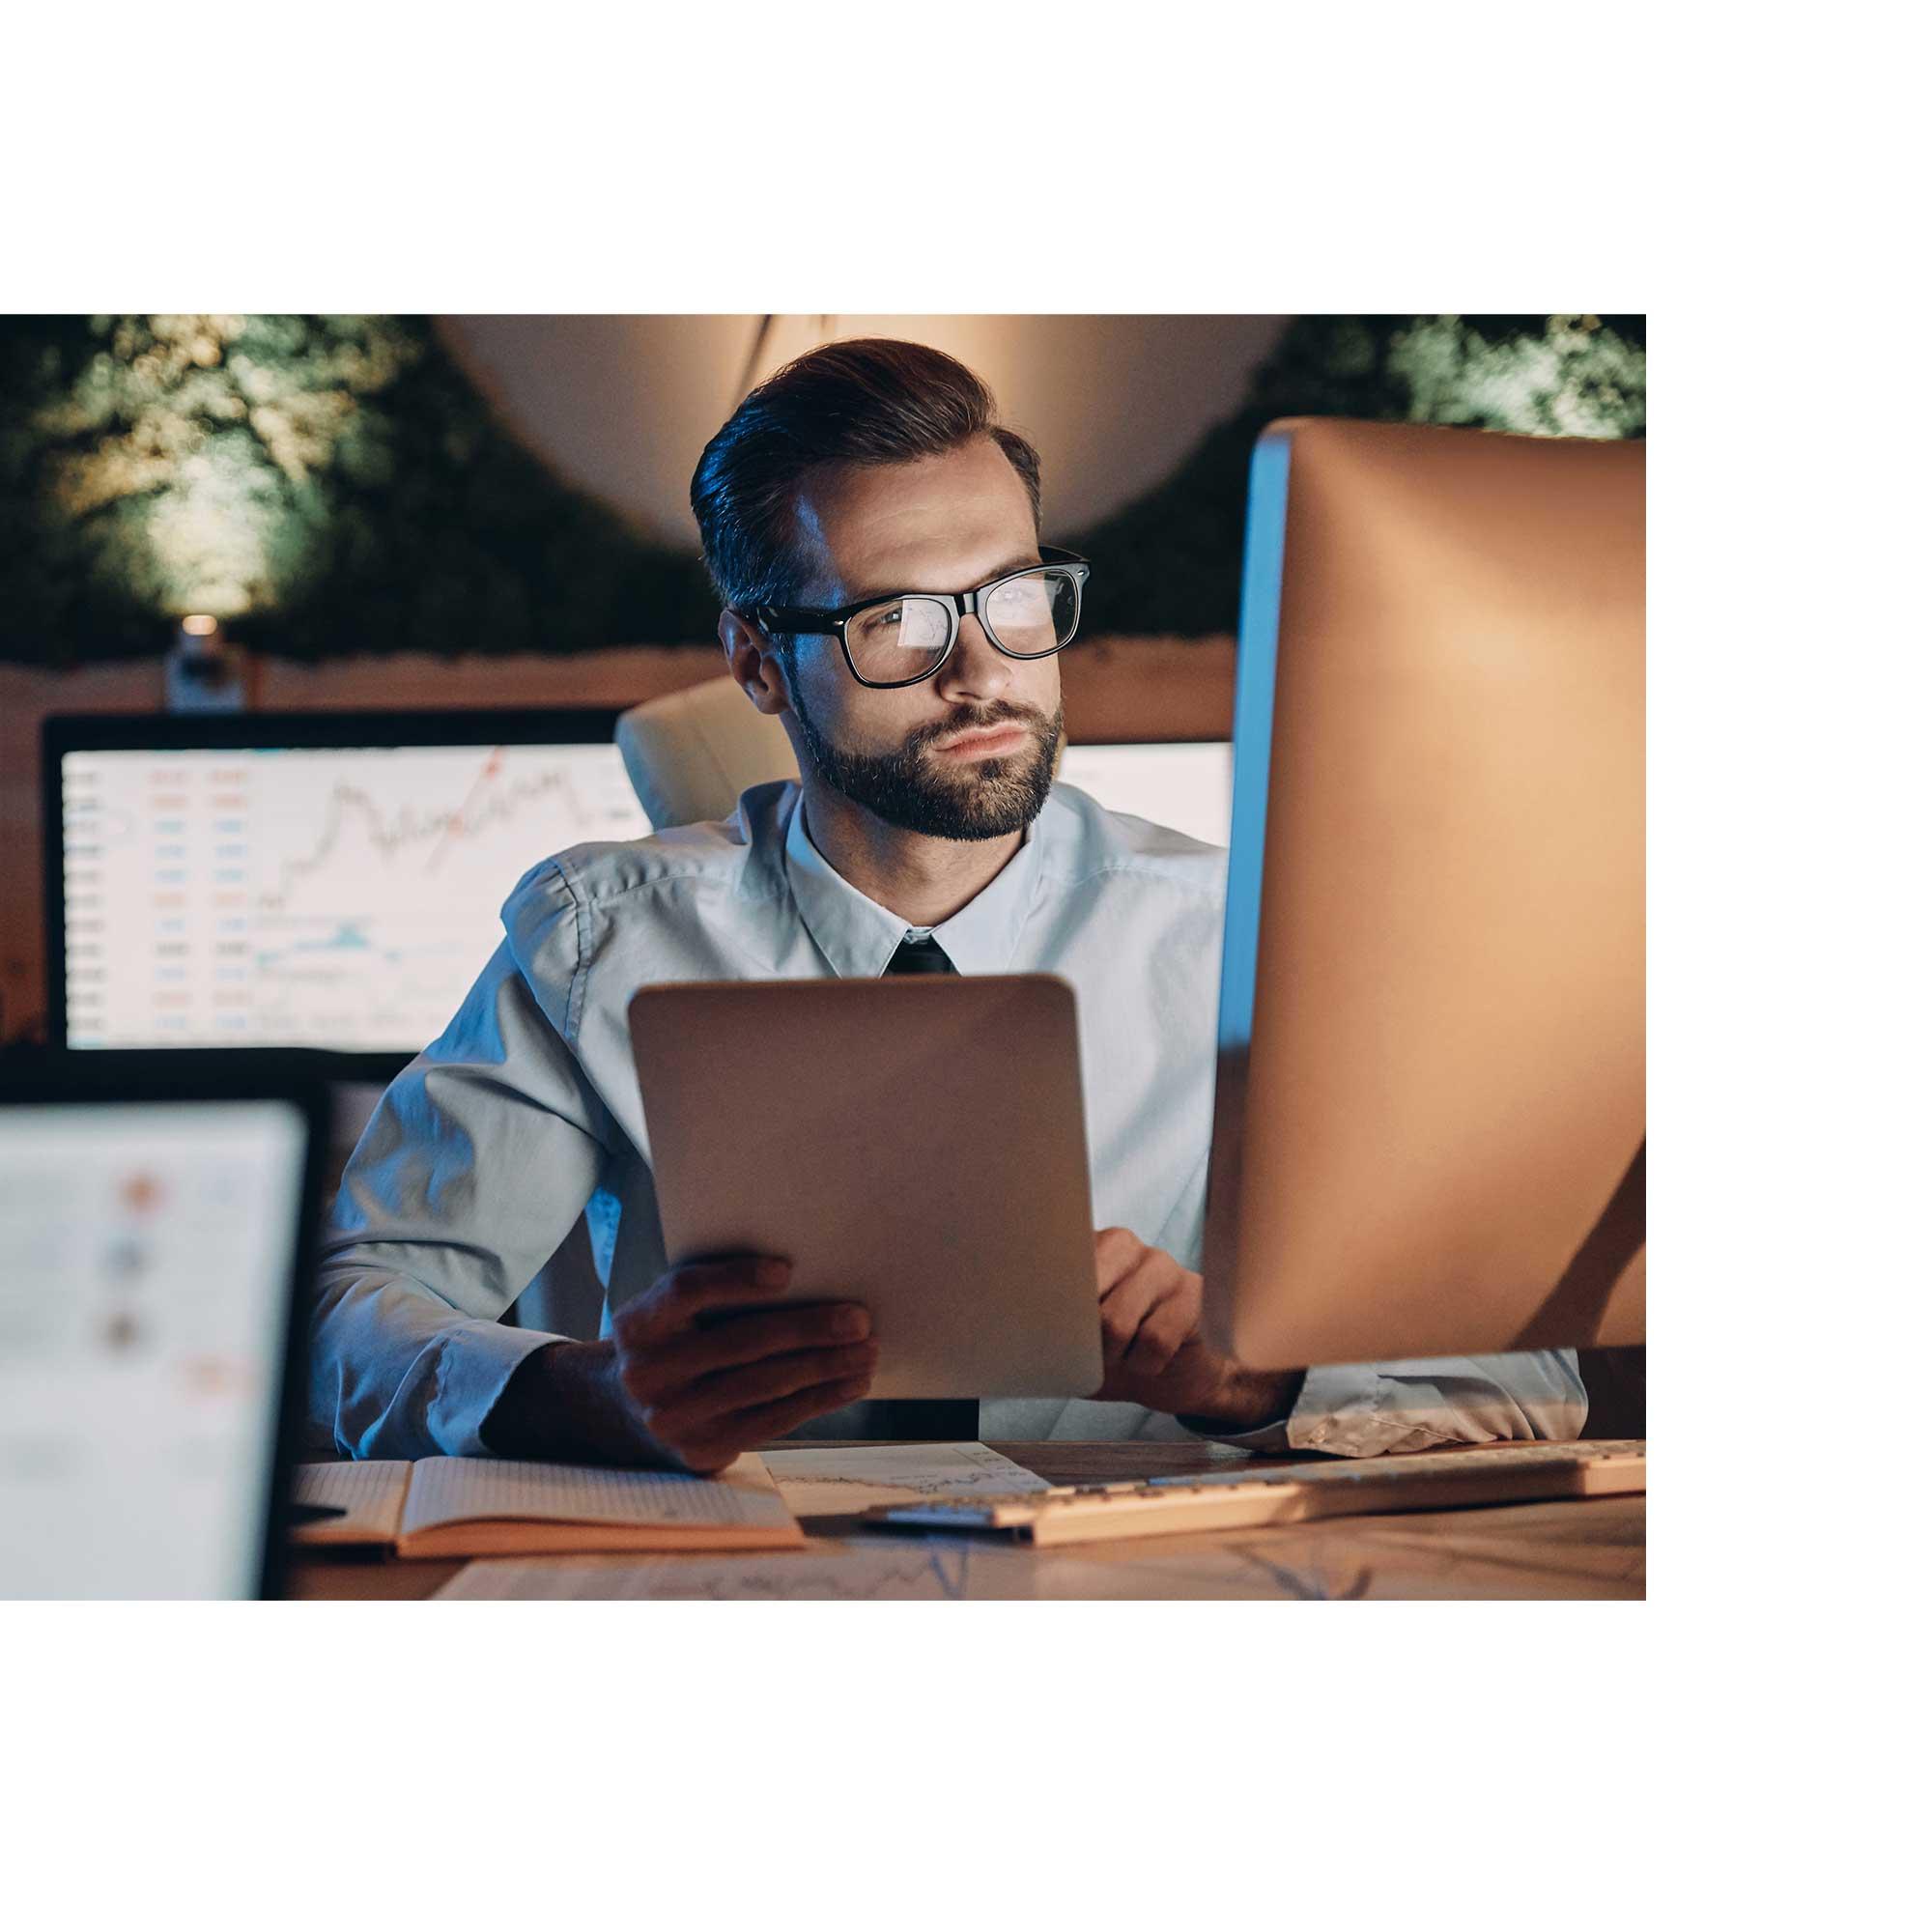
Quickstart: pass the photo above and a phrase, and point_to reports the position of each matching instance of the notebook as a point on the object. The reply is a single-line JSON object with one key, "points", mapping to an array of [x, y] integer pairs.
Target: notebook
{"points": [[479, 1506]]}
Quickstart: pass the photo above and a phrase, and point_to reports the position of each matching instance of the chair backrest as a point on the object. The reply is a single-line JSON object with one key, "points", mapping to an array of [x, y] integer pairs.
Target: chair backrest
{"points": [[690, 754]]}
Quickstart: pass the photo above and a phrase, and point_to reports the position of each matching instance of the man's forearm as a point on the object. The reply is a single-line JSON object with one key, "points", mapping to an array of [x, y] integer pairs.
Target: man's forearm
{"points": [[563, 1404]]}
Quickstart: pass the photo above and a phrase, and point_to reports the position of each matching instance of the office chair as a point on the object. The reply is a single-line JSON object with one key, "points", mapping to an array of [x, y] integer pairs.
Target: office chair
{"points": [[690, 754]]}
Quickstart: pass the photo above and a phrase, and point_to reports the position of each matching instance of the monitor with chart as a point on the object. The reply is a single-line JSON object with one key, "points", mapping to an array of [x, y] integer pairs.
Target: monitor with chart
{"points": [[1430, 1102], [328, 880], [152, 1220]]}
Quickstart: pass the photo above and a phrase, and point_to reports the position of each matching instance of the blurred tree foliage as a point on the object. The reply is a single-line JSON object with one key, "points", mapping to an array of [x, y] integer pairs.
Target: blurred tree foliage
{"points": [[334, 484], [326, 484], [1170, 563]]}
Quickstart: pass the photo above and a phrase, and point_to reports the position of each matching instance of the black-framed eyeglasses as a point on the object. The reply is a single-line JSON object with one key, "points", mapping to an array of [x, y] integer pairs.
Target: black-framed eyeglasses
{"points": [[905, 637]]}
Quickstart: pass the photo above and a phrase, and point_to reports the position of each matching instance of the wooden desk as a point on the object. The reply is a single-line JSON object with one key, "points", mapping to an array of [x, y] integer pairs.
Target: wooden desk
{"points": [[1562, 1549]]}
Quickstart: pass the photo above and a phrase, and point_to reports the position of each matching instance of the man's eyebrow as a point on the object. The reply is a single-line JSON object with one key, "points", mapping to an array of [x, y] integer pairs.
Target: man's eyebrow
{"points": [[1029, 560]]}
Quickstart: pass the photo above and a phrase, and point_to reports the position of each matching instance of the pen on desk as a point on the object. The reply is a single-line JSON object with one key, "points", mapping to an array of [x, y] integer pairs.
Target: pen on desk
{"points": [[300, 1513]]}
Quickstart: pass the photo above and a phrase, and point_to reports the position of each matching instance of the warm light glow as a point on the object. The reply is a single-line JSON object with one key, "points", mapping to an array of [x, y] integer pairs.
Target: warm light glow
{"points": [[201, 448], [200, 627]]}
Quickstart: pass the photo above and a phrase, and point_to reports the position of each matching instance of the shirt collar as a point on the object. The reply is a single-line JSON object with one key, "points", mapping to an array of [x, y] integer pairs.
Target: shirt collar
{"points": [[859, 936]]}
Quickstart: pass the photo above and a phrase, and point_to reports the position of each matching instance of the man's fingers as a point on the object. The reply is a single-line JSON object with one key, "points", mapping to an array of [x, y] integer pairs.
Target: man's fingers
{"points": [[1117, 1252], [752, 1425], [676, 1300], [756, 1384], [1121, 1313], [1150, 1314], [1165, 1331], [731, 1341], [1173, 1321]]}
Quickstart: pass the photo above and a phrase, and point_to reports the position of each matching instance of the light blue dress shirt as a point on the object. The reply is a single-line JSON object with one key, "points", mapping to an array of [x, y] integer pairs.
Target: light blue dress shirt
{"points": [[525, 1113]]}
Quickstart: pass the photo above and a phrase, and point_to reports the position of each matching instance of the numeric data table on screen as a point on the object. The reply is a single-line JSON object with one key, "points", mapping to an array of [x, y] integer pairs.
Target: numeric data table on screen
{"points": [[333, 898]]}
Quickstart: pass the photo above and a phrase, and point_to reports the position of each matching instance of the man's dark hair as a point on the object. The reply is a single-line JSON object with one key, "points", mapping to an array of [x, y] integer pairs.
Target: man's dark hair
{"points": [[869, 401]]}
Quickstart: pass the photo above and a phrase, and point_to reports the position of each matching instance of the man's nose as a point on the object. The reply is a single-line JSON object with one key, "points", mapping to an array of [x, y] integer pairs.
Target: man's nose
{"points": [[975, 669]]}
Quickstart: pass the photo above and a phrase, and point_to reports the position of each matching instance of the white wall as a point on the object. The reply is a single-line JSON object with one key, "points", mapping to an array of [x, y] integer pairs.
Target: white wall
{"points": [[621, 406]]}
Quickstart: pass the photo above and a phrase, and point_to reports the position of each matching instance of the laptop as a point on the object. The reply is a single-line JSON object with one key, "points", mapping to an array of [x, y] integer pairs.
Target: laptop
{"points": [[155, 1215]]}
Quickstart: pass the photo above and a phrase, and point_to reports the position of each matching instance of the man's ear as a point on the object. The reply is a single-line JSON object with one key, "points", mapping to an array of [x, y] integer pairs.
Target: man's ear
{"points": [[754, 663]]}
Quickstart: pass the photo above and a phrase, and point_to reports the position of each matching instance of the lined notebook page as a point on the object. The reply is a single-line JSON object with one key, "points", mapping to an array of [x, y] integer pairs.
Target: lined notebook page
{"points": [[453, 1488], [372, 1492]]}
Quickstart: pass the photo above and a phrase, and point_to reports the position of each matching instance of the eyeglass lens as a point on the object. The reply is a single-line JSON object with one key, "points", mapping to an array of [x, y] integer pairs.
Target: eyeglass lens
{"points": [[1029, 616]]}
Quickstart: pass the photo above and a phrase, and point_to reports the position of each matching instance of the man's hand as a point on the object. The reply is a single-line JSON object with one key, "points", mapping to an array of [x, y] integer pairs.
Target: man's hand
{"points": [[702, 1366], [1150, 1340], [713, 1367]]}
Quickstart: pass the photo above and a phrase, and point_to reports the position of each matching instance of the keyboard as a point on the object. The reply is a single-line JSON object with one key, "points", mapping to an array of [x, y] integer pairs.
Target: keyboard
{"points": [[1300, 1492]]}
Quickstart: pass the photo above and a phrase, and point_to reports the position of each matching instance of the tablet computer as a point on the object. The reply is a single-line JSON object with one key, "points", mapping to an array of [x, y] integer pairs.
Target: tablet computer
{"points": [[918, 1144]]}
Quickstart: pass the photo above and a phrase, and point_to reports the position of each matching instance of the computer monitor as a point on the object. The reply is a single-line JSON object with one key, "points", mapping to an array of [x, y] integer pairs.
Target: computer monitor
{"points": [[1187, 784], [1430, 1108], [152, 1225], [328, 880]]}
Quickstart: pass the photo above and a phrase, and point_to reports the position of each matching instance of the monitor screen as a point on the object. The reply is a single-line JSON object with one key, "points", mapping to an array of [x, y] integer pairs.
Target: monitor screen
{"points": [[1428, 1122], [1188, 785], [342, 896], [146, 1262]]}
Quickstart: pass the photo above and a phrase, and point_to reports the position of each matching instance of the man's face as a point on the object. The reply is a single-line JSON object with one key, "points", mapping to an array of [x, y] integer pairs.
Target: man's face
{"points": [[969, 752]]}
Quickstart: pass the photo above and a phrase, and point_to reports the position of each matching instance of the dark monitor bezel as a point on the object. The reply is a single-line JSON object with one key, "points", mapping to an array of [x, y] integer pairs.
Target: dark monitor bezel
{"points": [[270, 731], [34, 1075]]}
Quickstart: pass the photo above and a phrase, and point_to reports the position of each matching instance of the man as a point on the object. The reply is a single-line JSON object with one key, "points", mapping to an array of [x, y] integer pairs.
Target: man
{"points": [[874, 538]]}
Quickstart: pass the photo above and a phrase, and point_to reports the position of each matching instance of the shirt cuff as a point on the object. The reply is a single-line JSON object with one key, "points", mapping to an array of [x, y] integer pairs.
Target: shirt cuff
{"points": [[477, 1360], [1358, 1409]]}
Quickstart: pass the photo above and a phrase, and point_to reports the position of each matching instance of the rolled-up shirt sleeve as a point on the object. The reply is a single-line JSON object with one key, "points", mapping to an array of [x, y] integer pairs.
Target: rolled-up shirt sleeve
{"points": [[1369, 1408], [480, 1157]]}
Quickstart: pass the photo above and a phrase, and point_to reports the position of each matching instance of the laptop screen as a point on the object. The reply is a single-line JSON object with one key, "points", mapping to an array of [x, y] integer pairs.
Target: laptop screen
{"points": [[146, 1262], [341, 896], [1188, 785]]}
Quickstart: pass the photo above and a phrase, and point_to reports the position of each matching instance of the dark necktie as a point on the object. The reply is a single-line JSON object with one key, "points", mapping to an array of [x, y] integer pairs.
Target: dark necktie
{"points": [[928, 1421], [920, 956]]}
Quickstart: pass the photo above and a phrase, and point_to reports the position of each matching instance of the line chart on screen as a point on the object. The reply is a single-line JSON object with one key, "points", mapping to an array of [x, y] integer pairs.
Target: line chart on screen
{"points": [[341, 898]]}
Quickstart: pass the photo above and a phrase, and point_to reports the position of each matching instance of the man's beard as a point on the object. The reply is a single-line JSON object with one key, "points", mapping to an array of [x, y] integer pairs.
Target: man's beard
{"points": [[988, 799]]}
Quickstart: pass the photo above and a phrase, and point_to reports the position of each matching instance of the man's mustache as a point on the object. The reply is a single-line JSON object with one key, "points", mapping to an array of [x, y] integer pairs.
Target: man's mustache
{"points": [[977, 717]]}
